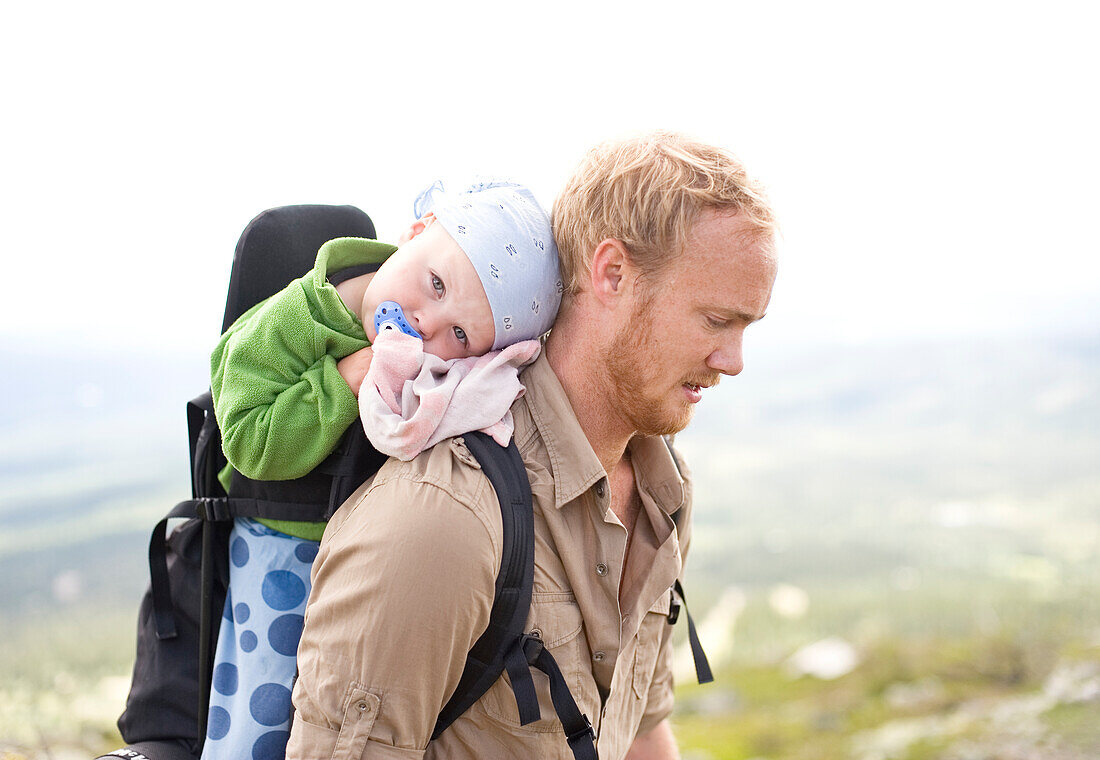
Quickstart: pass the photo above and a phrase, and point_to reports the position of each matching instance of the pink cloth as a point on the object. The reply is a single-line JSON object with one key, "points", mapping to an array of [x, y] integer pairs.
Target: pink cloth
{"points": [[411, 400]]}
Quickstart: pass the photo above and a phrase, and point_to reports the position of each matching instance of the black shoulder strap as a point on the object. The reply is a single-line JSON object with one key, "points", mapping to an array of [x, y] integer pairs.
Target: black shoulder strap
{"points": [[512, 602], [504, 645]]}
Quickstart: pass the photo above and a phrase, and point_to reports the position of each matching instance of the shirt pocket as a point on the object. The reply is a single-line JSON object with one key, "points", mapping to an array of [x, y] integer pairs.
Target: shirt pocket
{"points": [[556, 619], [647, 645]]}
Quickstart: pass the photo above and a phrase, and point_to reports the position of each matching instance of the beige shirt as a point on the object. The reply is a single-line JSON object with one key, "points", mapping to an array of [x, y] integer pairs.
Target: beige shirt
{"points": [[403, 584]]}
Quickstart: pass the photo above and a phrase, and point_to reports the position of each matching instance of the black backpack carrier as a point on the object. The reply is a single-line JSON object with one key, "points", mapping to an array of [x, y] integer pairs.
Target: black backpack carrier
{"points": [[166, 711]]}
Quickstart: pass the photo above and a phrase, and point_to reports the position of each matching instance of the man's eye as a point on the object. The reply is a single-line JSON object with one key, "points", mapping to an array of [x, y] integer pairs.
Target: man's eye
{"points": [[437, 285], [461, 335]]}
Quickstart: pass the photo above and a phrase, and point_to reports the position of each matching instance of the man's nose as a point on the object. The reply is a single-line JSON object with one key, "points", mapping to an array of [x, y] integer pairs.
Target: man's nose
{"points": [[727, 358]]}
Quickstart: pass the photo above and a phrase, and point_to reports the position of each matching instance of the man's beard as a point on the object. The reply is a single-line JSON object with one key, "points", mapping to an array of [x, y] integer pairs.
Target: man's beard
{"points": [[629, 363]]}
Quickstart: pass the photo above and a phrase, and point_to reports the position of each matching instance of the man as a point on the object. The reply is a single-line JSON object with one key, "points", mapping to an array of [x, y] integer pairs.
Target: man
{"points": [[668, 255]]}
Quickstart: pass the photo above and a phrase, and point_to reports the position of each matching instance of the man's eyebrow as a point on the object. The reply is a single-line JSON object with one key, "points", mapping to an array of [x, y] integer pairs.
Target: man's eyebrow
{"points": [[737, 314]]}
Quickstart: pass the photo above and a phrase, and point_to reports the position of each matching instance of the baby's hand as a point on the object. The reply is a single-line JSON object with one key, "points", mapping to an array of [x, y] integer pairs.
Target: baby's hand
{"points": [[353, 368]]}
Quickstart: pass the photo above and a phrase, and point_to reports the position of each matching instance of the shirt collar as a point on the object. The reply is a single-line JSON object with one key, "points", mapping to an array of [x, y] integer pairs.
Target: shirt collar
{"points": [[658, 473], [574, 465]]}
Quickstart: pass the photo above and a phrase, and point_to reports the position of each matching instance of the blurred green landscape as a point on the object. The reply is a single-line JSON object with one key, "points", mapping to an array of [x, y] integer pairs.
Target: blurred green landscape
{"points": [[896, 552]]}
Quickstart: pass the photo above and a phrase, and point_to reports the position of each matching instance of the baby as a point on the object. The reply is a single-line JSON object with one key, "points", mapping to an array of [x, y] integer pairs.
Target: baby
{"points": [[475, 276]]}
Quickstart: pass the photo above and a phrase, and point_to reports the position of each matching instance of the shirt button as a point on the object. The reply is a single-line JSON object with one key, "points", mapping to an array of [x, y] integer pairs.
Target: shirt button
{"points": [[598, 656], [600, 489], [601, 569], [363, 706]]}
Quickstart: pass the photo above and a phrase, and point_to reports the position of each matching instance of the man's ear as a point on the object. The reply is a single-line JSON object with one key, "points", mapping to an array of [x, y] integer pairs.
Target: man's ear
{"points": [[417, 227], [610, 271]]}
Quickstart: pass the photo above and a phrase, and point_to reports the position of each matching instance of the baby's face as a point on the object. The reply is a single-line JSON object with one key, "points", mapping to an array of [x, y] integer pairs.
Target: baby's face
{"points": [[439, 291]]}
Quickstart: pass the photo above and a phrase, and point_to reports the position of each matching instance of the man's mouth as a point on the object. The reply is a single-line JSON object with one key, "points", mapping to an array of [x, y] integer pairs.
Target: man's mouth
{"points": [[698, 386], [694, 391]]}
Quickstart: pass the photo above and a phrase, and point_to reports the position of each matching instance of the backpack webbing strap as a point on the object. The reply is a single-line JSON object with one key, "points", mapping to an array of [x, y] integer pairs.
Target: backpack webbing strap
{"points": [[577, 726], [702, 666], [206, 622], [163, 616], [523, 686]]}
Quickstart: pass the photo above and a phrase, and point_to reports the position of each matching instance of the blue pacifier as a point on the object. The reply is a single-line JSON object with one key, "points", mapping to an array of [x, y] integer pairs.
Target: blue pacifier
{"points": [[388, 316]]}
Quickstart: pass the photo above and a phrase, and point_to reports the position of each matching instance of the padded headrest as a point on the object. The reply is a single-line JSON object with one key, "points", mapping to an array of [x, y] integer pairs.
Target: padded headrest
{"points": [[280, 245]]}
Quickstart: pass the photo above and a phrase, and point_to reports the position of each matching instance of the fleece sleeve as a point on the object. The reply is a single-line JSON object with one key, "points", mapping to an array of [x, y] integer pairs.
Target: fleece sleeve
{"points": [[280, 401]]}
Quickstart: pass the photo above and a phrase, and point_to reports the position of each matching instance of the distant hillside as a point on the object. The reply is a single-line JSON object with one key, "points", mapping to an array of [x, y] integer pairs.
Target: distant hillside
{"points": [[814, 462], [834, 462], [93, 448]]}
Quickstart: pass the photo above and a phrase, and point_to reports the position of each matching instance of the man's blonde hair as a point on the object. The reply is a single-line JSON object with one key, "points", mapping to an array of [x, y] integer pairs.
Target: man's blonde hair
{"points": [[648, 192]]}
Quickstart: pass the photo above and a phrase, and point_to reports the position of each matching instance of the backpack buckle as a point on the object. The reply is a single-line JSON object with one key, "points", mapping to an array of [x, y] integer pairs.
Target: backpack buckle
{"points": [[213, 508], [532, 647], [673, 607], [583, 734]]}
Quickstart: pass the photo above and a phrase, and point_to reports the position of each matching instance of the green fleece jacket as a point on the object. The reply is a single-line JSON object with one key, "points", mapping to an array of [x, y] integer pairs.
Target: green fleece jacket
{"points": [[280, 402]]}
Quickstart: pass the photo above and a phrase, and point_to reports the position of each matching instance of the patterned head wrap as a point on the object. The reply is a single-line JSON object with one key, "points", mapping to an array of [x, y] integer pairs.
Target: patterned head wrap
{"points": [[507, 237]]}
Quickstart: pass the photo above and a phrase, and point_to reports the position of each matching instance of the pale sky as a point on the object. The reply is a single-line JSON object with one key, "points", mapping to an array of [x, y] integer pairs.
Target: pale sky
{"points": [[935, 165]]}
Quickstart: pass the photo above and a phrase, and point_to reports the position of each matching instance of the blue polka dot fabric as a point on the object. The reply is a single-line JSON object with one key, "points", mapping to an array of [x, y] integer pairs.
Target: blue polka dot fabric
{"points": [[255, 662]]}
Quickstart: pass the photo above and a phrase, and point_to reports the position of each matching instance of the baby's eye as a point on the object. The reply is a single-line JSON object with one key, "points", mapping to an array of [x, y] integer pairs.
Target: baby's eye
{"points": [[461, 335], [437, 285]]}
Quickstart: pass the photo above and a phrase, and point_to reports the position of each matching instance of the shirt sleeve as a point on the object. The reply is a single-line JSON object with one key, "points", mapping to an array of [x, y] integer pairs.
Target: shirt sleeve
{"points": [[402, 588], [659, 700], [280, 401]]}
